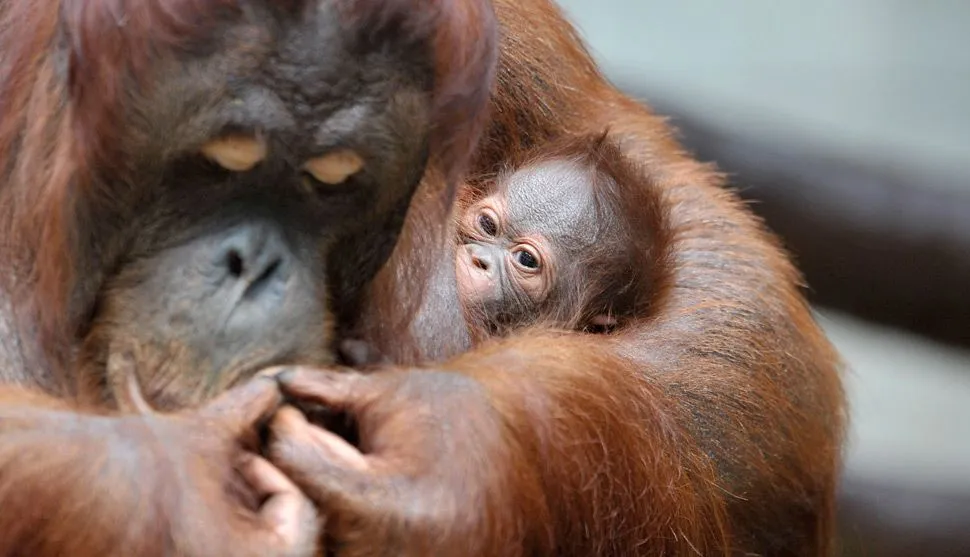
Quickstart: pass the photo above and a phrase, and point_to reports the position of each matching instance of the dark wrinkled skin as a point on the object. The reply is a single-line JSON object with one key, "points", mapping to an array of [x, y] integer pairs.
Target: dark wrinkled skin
{"points": [[172, 299]]}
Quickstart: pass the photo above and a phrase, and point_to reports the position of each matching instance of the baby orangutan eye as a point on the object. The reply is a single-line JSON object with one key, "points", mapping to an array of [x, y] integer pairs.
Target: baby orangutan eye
{"points": [[487, 224], [527, 259]]}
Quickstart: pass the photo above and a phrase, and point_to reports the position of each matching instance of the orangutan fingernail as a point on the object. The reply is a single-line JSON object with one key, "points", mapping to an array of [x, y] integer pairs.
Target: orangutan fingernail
{"points": [[236, 153], [272, 372], [334, 167], [285, 376]]}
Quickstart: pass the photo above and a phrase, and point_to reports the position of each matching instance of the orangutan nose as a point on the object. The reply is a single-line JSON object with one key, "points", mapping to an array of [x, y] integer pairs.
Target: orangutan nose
{"points": [[256, 256], [482, 258]]}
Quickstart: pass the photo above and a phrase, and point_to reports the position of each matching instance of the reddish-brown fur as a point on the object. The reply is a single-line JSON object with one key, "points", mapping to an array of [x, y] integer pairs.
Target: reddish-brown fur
{"points": [[80, 479], [711, 426], [66, 150]]}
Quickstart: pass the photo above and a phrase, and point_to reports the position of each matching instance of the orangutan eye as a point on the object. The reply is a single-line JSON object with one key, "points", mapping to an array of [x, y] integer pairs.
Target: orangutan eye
{"points": [[335, 167], [487, 224], [527, 259]]}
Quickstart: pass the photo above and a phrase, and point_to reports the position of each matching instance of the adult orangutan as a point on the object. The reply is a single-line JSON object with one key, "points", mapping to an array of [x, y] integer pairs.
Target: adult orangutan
{"points": [[189, 189], [172, 227]]}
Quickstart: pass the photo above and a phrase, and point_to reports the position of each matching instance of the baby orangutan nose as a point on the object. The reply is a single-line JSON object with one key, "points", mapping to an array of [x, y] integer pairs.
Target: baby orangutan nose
{"points": [[482, 258], [479, 272]]}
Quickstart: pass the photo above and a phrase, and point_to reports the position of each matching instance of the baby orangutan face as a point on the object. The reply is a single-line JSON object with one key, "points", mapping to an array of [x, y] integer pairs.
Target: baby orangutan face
{"points": [[515, 242], [494, 265]]}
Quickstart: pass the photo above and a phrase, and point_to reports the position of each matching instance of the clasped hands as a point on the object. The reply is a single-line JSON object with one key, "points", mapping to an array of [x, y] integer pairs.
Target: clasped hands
{"points": [[426, 453]]}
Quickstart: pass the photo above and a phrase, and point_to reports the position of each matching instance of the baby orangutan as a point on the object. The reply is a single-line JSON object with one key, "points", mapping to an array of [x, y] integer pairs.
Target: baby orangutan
{"points": [[563, 239], [569, 236]]}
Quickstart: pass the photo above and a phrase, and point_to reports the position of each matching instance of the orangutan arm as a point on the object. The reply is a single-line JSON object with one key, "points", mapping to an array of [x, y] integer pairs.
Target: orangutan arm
{"points": [[84, 484], [713, 425]]}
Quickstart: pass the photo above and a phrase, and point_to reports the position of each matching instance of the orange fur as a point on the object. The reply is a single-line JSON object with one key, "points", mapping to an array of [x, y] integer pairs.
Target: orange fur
{"points": [[712, 425], [83, 85]]}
